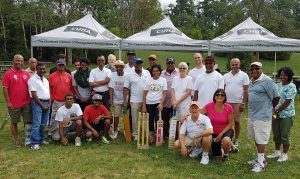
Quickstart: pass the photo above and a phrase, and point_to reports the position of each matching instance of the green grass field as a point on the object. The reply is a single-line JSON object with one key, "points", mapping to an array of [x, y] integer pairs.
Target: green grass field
{"points": [[121, 160]]}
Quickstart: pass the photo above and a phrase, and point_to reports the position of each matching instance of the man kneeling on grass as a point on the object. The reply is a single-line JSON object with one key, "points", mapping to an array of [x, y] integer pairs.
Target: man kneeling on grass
{"points": [[97, 118], [195, 134], [69, 117]]}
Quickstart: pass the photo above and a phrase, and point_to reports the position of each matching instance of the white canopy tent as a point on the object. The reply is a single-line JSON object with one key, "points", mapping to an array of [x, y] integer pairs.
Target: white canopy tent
{"points": [[163, 36], [249, 36], [84, 33]]}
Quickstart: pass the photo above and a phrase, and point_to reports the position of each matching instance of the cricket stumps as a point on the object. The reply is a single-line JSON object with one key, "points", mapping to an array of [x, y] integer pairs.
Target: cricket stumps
{"points": [[143, 131]]}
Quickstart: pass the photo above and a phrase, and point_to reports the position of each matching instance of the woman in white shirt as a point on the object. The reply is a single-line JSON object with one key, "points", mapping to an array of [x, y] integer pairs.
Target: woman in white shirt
{"points": [[154, 95], [181, 89]]}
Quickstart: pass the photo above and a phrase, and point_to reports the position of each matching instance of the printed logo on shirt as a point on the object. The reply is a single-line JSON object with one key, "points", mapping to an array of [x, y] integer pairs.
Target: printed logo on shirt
{"points": [[15, 77], [24, 77], [155, 87]]}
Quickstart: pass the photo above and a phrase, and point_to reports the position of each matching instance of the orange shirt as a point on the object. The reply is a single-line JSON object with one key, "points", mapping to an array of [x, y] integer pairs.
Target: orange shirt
{"points": [[91, 113], [60, 85]]}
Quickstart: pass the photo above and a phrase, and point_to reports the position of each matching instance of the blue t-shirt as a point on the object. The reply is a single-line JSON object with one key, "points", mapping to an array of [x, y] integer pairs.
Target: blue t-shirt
{"points": [[260, 97], [288, 91]]}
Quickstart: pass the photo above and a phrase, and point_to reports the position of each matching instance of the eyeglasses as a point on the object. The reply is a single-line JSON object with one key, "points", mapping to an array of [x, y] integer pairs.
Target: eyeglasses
{"points": [[151, 59], [252, 69], [181, 68], [220, 94]]}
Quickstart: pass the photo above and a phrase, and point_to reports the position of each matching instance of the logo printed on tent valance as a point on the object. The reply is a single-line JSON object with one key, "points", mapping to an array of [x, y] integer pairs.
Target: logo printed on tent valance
{"points": [[166, 30], [252, 31], [81, 29]]}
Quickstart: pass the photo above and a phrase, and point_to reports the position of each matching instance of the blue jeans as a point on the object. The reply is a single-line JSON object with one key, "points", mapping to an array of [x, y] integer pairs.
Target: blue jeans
{"points": [[39, 121]]}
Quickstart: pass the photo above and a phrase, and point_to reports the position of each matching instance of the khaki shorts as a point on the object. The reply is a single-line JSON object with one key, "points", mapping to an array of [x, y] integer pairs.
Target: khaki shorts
{"points": [[118, 110], [188, 142], [25, 112], [236, 111], [259, 130]]}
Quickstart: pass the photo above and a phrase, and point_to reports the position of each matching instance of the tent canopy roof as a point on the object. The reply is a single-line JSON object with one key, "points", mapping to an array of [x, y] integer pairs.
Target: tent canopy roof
{"points": [[163, 36], [83, 33], [250, 36]]}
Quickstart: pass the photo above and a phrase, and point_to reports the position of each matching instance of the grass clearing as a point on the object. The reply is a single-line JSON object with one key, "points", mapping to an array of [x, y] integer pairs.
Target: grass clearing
{"points": [[121, 160]]}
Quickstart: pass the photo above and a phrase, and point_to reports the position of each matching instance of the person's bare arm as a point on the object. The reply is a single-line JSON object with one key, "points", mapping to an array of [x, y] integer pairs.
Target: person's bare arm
{"points": [[99, 83], [6, 97], [195, 96], [205, 133], [125, 95], [144, 109]]}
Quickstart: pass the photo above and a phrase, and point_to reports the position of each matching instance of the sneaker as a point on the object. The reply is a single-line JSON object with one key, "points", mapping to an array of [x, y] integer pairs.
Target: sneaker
{"points": [[253, 162], [204, 159], [236, 143], [27, 144], [234, 148], [104, 140], [45, 142], [274, 155], [89, 139], [225, 157], [77, 142], [195, 152], [115, 134], [258, 167], [284, 157], [35, 147]]}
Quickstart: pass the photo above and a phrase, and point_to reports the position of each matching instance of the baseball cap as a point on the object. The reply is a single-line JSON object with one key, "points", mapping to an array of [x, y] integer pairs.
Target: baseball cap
{"points": [[131, 52], [152, 56], [60, 62], [170, 60], [119, 62], [97, 97], [138, 60], [195, 103], [209, 59], [257, 64]]}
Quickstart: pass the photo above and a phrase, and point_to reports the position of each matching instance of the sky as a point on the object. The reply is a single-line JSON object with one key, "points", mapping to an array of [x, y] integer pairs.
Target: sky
{"points": [[165, 3]]}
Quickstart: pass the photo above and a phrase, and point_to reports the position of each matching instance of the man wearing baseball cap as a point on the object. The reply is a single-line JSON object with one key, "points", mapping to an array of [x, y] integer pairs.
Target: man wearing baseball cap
{"points": [[96, 118], [169, 73], [116, 84], [129, 67], [135, 82], [195, 134], [152, 61], [207, 83], [262, 99], [60, 57]]}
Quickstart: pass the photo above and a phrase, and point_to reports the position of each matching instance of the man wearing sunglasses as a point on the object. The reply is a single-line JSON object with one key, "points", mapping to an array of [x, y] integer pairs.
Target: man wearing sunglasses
{"points": [[207, 83], [262, 99], [96, 119]]}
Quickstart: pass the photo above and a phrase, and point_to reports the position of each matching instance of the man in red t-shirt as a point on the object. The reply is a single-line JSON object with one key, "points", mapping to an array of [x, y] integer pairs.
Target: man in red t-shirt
{"points": [[60, 83], [16, 94], [96, 118]]}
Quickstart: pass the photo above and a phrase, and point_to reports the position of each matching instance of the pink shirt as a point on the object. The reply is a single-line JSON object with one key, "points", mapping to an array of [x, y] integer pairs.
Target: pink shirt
{"points": [[16, 83], [169, 77], [219, 120]]}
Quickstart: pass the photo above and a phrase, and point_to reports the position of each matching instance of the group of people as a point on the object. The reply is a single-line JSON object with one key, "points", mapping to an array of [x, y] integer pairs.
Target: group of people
{"points": [[208, 104]]}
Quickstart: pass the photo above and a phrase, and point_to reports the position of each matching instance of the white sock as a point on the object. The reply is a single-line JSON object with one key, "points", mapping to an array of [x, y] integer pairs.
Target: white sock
{"points": [[261, 158], [277, 152]]}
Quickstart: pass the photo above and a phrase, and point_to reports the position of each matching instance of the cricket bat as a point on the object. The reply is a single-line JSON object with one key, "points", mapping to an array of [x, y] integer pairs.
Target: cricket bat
{"points": [[159, 130], [127, 130], [172, 130], [112, 128]]}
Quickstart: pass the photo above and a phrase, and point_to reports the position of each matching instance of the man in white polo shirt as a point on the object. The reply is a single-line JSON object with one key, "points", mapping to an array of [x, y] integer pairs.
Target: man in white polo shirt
{"points": [[195, 133], [236, 88], [99, 79], [135, 83], [207, 83], [40, 94]]}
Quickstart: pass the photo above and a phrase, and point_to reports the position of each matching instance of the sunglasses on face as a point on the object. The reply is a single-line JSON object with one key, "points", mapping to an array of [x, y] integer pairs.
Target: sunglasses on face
{"points": [[97, 100], [182, 68], [252, 69], [151, 59], [220, 94]]}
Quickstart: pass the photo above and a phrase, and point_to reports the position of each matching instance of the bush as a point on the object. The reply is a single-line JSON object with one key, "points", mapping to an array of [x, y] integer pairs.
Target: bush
{"points": [[279, 55]]}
